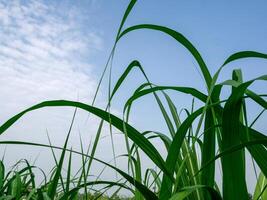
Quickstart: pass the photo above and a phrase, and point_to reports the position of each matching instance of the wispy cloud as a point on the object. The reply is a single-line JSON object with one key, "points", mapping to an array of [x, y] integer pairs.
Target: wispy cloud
{"points": [[42, 54]]}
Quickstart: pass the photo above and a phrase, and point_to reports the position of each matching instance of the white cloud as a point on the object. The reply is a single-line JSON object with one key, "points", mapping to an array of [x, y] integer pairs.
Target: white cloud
{"points": [[42, 57], [41, 54]]}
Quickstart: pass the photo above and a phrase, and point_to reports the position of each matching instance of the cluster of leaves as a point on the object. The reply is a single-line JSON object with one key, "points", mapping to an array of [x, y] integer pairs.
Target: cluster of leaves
{"points": [[223, 133], [19, 183]]}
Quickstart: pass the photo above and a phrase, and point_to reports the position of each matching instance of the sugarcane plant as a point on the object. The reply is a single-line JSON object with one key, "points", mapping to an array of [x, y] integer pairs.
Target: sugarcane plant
{"points": [[218, 133]]}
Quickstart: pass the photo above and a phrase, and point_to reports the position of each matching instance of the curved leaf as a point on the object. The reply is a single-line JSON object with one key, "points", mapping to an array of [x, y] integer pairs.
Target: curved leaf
{"points": [[133, 134], [179, 38], [244, 54]]}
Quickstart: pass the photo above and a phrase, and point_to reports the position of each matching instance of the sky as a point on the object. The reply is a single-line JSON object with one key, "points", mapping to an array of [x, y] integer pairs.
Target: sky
{"points": [[58, 50]]}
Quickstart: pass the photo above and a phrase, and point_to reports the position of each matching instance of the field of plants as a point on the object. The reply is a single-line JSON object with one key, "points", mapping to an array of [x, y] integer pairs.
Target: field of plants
{"points": [[221, 134]]}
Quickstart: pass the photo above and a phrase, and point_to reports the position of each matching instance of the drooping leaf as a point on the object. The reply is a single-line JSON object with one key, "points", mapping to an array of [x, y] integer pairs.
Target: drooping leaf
{"points": [[244, 54], [179, 38], [133, 134]]}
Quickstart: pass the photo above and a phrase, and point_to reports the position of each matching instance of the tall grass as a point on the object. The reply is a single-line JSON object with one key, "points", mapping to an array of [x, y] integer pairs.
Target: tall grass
{"points": [[222, 133]]}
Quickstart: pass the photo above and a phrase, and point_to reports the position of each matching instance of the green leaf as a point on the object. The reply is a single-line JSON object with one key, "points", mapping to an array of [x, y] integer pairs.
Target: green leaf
{"points": [[179, 38], [234, 183], [260, 189], [126, 14], [16, 187], [68, 181], [2, 174], [133, 134], [53, 186], [129, 68], [174, 150], [186, 191], [143, 189], [208, 150], [173, 110], [244, 54], [186, 90]]}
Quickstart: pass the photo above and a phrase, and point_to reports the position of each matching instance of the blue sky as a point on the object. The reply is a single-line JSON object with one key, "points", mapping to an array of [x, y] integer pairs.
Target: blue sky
{"points": [[58, 49], [216, 29]]}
